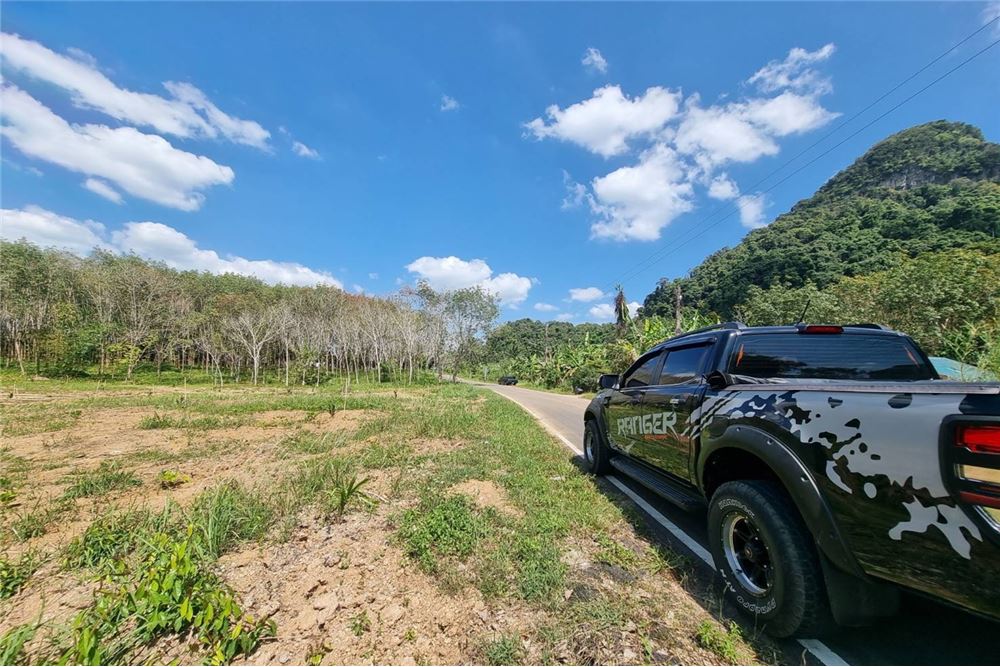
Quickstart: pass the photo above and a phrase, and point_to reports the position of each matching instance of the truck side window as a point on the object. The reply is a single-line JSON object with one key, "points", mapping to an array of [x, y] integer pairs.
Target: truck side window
{"points": [[643, 375], [683, 365]]}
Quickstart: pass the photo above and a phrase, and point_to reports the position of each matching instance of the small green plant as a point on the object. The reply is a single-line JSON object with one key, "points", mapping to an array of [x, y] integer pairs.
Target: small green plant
{"points": [[345, 492], [14, 572], [30, 523], [12, 644], [410, 635], [155, 421], [722, 642], [171, 591], [8, 492], [114, 536], [504, 650], [360, 624], [170, 479], [109, 476], [441, 527]]}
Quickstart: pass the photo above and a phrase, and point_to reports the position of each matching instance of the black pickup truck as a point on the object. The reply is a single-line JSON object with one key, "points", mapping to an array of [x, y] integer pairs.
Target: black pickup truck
{"points": [[834, 464]]}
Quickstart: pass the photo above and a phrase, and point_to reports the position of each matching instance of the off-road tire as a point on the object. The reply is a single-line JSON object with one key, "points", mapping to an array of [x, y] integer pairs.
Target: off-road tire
{"points": [[796, 603], [595, 452]]}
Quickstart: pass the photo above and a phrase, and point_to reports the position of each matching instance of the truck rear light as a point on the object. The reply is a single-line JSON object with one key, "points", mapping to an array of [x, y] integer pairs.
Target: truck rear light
{"points": [[979, 439], [981, 499], [821, 329]]}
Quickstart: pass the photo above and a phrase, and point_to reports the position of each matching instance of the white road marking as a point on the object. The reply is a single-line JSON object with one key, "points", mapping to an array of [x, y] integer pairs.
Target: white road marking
{"points": [[693, 546], [821, 651]]}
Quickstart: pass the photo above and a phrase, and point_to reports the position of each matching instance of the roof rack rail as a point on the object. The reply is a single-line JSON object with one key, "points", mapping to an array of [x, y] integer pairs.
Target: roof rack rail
{"points": [[714, 327]]}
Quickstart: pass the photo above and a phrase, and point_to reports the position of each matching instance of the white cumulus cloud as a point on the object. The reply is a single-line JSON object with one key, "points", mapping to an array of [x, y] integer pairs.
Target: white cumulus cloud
{"points": [[302, 150], [102, 189], [752, 210], [585, 294], [449, 103], [605, 312], [593, 59], [188, 113], [144, 165], [545, 307], [723, 187], [795, 71], [678, 144], [606, 122], [452, 273], [152, 240], [637, 202], [47, 229]]}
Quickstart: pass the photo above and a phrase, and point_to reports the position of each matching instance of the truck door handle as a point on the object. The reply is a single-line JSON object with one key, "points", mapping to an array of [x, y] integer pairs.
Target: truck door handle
{"points": [[675, 401]]}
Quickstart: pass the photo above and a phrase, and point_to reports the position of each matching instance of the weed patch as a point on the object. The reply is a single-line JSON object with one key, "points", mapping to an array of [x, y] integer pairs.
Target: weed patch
{"points": [[109, 476], [442, 527], [170, 592], [722, 642], [15, 572], [504, 650]]}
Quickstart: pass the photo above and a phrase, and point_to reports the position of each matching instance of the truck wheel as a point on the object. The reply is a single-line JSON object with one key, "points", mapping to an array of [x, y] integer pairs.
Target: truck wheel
{"points": [[767, 559], [594, 451]]}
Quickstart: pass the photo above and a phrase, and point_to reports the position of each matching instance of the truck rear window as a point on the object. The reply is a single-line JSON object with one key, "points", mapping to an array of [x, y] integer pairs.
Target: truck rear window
{"points": [[829, 357]]}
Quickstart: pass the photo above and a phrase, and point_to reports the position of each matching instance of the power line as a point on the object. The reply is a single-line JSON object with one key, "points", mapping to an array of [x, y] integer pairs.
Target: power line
{"points": [[655, 257]]}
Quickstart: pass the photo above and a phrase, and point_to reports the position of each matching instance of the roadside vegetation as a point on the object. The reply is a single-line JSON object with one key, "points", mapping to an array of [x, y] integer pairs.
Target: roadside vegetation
{"points": [[381, 522]]}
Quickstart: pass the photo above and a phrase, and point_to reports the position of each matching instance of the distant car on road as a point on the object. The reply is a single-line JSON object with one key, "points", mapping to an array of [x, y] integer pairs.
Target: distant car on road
{"points": [[507, 380], [835, 465]]}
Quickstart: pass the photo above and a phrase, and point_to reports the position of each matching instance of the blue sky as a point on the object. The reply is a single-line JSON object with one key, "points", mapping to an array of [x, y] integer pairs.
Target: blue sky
{"points": [[539, 150]]}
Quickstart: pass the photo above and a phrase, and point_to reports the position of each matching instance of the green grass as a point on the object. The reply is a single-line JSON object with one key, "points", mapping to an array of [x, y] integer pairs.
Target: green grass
{"points": [[440, 528], [306, 442], [228, 515], [12, 644], [34, 521], [15, 572], [512, 557], [109, 476], [504, 650], [724, 643], [615, 553]]}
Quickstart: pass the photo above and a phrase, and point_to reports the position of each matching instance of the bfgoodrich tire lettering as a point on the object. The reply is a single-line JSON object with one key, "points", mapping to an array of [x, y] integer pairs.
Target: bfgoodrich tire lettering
{"points": [[787, 596], [595, 453]]}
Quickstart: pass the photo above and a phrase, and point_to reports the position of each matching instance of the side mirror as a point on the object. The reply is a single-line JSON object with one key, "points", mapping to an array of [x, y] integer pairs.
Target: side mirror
{"points": [[718, 380], [608, 381]]}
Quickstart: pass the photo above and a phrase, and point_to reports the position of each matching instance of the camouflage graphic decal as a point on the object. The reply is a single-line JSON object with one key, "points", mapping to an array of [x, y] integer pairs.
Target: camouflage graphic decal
{"points": [[868, 453]]}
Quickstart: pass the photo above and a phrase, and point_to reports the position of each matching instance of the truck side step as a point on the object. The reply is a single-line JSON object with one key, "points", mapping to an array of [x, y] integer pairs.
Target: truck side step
{"points": [[658, 484]]}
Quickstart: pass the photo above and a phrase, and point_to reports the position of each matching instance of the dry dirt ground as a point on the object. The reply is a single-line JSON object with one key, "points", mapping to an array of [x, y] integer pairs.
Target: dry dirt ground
{"points": [[473, 538]]}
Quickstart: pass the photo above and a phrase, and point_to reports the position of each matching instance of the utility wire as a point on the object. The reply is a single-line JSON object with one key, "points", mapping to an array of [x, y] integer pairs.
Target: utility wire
{"points": [[655, 257]]}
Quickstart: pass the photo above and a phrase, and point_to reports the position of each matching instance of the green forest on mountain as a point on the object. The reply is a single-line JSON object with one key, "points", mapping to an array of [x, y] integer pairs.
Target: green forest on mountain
{"points": [[907, 236]]}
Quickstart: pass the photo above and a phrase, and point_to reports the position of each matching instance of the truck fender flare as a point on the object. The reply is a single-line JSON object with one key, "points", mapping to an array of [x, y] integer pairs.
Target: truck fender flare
{"points": [[797, 480], [593, 413]]}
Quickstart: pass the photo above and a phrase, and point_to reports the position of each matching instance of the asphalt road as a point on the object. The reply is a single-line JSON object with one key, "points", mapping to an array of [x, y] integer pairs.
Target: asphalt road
{"points": [[923, 633]]}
